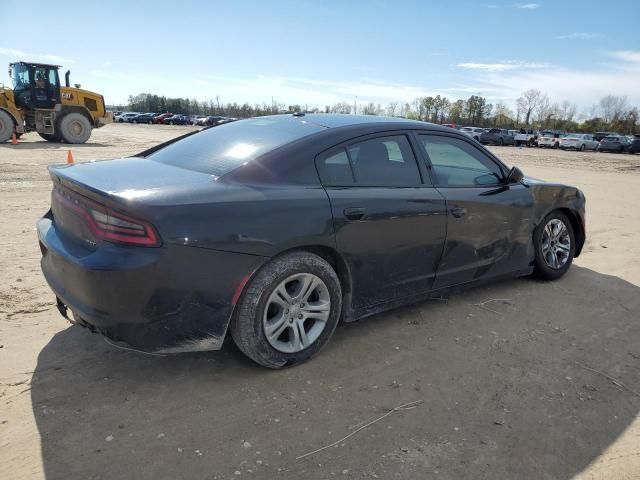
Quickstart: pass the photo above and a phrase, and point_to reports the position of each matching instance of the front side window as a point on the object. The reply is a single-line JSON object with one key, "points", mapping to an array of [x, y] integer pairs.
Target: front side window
{"points": [[458, 164], [384, 162]]}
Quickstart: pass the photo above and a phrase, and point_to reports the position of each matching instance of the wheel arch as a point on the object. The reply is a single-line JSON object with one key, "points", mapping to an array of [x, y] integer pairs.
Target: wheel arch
{"points": [[577, 224], [67, 109], [330, 255]]}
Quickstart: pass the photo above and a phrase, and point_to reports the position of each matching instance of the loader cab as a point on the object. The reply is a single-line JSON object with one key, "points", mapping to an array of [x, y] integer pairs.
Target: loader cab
{"points": [[35, 85]]}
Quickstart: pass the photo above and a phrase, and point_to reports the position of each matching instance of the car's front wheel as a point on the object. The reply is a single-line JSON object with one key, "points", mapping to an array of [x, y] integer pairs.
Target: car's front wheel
{"points": [[288, 311], [554, 241]]}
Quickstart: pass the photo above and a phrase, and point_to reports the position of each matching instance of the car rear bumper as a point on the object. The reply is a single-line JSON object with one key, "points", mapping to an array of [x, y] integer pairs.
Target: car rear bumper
{"points": [[163, 300]]}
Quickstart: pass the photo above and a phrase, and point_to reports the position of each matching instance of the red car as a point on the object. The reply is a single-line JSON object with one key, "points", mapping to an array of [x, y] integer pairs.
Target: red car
{"points": [[160, 117]]}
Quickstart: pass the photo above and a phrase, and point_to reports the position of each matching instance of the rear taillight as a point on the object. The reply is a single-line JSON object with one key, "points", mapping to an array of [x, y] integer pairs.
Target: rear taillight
{"points": [[109, 225]]}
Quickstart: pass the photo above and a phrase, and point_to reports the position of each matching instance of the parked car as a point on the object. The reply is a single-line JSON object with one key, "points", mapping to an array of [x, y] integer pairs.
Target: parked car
{"points": [[159, 118], [526, 136], [550, 139], [125, 117], [142, 118], [598, 136], [614, 143], [450, 125], [578, 141], [634, 146], [496, 136], [177, 120], [213, 120], [192, 259], [473, 132]]}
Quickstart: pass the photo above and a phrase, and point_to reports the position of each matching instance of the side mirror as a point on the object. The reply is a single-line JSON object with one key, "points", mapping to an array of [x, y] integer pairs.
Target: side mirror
{"points": [[515, 176]]}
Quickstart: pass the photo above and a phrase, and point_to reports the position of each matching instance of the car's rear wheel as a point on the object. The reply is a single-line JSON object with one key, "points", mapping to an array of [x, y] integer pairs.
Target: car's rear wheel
{"points": [[288, 311], [554, 241], [582, 147], [500, 142]]}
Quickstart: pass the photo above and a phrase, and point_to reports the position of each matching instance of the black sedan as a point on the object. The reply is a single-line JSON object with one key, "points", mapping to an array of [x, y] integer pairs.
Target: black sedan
{"points": [[614, 143], [273, 229], [497, 136], [142, 118], [177, 120]]}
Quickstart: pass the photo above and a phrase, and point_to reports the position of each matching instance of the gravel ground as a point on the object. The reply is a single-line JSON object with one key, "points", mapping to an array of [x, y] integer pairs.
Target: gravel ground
{"points": [[543, 385]]}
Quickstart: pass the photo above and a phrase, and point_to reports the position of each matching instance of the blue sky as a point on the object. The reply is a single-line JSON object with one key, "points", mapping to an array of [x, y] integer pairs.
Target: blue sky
{"points": [[318, 52]]}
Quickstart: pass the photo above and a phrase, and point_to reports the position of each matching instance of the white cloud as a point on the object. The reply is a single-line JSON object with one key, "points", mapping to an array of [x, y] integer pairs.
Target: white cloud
{"points": [[502, 66], [583, 87], [527, 6], [631, 56], [579, 36], [20, 55]]}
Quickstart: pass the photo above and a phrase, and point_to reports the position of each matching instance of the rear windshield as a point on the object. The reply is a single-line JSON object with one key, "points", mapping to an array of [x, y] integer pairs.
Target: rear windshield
{"points": [[221, 149]]}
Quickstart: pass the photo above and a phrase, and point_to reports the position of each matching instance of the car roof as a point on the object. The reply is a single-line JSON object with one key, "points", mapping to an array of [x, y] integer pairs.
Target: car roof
{"points": [[336, 120]]}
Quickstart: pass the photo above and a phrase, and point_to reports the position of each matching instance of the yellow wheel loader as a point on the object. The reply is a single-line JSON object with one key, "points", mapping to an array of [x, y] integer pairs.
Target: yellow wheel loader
{"points": [[38, 103]]}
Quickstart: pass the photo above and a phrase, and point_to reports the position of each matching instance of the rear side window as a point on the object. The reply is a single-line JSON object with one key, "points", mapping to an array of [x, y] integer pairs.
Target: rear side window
{"points": [[334, 168], [384, 162], [224, 148]]}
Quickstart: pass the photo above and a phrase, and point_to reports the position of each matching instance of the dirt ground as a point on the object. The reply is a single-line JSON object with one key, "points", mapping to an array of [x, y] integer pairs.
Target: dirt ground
{"points": [[542, 384]]}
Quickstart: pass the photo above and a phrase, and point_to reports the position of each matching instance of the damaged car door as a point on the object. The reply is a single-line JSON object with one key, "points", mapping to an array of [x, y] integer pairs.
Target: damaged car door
{"points": [[489, 220], [389, 221]]}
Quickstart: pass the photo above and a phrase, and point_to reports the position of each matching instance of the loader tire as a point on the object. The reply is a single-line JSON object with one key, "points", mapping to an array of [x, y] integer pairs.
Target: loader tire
{"points": [[7, 126], [74, 128]]}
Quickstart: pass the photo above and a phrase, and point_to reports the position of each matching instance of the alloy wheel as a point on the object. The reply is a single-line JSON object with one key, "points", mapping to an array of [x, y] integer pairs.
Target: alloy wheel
{"points": [[296, 313], [556, 244]]}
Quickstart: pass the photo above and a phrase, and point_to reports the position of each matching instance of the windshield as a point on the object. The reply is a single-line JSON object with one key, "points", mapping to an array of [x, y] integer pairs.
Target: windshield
{"points": [[224, 148], [20, 76]]}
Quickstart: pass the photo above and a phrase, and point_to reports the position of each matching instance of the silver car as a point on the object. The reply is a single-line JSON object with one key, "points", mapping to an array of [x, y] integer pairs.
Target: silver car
{"points": [[473, 132], [578, 141]]}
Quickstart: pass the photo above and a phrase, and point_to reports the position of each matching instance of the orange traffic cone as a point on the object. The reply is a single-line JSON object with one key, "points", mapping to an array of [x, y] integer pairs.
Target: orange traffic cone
{"points": [[14, 140], [69, 156]]}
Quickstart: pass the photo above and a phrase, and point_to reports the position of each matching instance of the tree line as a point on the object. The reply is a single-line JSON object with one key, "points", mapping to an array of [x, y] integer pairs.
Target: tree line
{"points": [[533, 109]]}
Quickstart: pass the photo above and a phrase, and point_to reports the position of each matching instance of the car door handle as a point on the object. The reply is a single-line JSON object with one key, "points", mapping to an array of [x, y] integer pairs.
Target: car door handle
{"points": [[458, 212], [356, 213]]}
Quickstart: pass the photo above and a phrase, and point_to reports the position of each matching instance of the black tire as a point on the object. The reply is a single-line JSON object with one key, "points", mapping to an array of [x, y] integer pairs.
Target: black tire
{"points": [[74, 128], [582, 147], [49, 137], [7, 126], [541, 269], [500, 142], [247, 323]]}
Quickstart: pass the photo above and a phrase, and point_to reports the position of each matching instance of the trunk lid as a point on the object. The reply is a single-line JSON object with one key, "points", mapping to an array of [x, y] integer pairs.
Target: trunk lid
{"points": [[134, 187]]}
